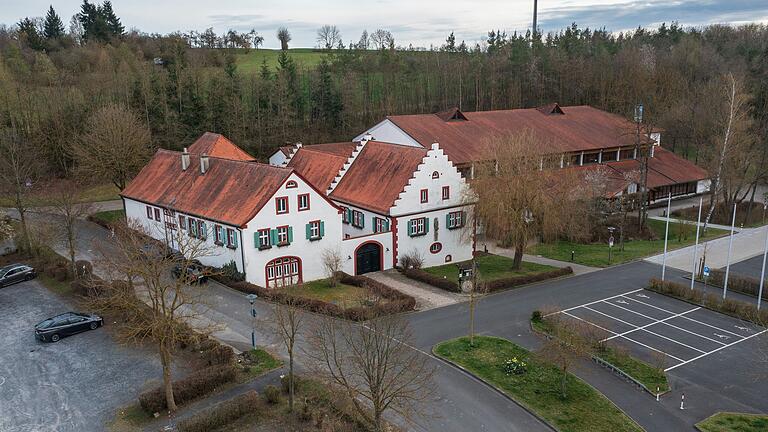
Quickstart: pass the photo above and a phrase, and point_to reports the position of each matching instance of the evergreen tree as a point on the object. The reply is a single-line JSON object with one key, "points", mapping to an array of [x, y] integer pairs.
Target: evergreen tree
{"points": [[450, 43], [53, 27], [28, 32], [114, 26]]}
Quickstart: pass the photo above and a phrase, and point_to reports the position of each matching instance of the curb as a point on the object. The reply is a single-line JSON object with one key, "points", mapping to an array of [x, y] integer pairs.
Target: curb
{"points": [[703, 306]]}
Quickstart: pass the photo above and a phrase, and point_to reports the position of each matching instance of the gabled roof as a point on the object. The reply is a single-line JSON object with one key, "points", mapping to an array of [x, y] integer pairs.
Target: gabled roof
{"points": [[378, 175], [339, 149], [319, 168], [675, 167], [217, 145], [230, 191], [562, 129]]}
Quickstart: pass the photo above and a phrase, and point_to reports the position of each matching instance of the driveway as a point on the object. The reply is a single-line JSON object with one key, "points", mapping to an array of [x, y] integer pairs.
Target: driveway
{"points": [[73, 385]]}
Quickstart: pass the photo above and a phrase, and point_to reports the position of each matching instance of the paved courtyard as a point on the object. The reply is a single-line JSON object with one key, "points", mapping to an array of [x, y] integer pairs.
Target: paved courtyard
{"points": [[73, 385]]}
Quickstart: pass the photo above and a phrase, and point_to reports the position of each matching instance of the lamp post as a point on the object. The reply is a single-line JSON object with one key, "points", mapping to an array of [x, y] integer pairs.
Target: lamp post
{"points": [[252, 299]]}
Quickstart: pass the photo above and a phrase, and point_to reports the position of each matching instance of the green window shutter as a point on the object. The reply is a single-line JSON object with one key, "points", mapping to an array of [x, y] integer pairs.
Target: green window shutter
{"points": [[234, 235], [362, 220], [463, 217], [290, 235], [322, 229], [448, 221], [349, 215], [273, 236], [256, 240], [386, 224], [410, 227], [426, 225], [309, 231]]}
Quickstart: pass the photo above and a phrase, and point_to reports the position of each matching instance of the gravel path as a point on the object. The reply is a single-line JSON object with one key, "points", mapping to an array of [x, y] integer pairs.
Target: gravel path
{"points": [[427, 296]]}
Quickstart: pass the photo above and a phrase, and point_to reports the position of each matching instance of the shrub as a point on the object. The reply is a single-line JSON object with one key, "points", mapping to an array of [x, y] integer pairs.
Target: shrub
{"points": [[230, 271], [60, 274], [429, 278], [272, 394], [513, 281], [194, 385], [84, 268], [742, 284], [221, 414], [536, 316], [218, 355], [411, 260]]}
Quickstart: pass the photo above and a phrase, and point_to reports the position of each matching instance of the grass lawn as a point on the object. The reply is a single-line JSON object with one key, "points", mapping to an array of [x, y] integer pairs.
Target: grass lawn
{"points": [[490, 267], [585, 409], [102, 192], [110, 216], [261, 363], [342, 295], [734, 422], [252, 60], [596, 254]]}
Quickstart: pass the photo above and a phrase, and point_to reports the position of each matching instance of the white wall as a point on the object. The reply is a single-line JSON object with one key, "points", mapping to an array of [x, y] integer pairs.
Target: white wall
{"points": [[353, 231], [386, 131], [277, 158], [349, 246], [309, 252], [456, 242]]}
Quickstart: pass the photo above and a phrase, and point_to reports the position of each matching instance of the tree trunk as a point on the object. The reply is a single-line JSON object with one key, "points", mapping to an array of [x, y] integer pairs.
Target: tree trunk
{"points": [[165, 360], [517, 260], [290, 380]]}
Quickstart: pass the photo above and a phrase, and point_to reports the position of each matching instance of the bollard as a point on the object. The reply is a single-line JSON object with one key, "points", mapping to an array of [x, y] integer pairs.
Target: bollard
{"points": [[657, 393], [682, 401], [572, 253]]}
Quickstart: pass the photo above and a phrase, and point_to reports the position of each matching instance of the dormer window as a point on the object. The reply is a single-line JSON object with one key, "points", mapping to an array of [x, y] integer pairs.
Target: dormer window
{"points": [[291, 185]]}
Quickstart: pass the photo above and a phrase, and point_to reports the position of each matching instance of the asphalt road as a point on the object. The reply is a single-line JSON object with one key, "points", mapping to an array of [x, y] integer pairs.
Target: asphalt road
{"points": [[751, 267], [73, 385]]}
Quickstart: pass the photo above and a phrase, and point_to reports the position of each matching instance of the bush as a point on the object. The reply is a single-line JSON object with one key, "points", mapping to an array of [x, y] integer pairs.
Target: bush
{"points": [[513, 281], [194, 385], [230, 271], [411, 260], [272, 394], [221, 414], [60, 274], [536, 316], [742, 284], [429, 278], [84, 268], [218, 355]]}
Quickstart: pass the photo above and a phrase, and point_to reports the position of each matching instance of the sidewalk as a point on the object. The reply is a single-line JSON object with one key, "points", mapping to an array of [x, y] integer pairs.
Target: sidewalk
{"points": [[427, 296], [578, 269]]}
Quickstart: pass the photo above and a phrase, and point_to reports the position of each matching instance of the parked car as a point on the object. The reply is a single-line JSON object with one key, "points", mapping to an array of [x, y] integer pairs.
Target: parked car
{"points": [[14, 273], [196, 272], [158, 251], [66, 324]]}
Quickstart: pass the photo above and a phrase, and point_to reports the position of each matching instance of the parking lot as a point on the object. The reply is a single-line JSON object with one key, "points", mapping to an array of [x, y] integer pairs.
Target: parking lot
{"points": [[73, 385], [650, 325]]}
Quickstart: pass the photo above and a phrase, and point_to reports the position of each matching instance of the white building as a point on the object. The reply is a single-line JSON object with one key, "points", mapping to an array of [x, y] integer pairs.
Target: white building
{"points": [[369, 202]]}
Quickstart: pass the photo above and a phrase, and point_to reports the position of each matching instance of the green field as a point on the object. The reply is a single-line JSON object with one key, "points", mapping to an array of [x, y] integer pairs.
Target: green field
{"points": [[734, 422], [490, 267], [252, 60], [596, 254], [110, 216], [538, 388]]}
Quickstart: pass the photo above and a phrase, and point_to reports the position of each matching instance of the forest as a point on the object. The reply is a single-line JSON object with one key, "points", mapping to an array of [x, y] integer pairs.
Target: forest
{"points": [[53, 82]]}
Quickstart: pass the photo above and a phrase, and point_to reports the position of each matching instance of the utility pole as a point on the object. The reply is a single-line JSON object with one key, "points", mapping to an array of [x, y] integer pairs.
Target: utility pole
{"points": [[535, 12]]}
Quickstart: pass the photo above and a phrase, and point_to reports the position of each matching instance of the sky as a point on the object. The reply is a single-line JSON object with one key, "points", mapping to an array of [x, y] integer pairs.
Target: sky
{"points": [[418, 22]]}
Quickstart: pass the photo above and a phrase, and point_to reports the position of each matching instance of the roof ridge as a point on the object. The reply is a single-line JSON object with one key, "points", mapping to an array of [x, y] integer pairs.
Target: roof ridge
{"points": [[244, 162]]}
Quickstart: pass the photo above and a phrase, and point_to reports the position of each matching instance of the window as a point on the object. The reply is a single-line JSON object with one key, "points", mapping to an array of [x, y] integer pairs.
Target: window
{"points": [[591, 158], [358, 219], [192, 227], [380, 225], [284, 235], [281, 205], [627, 153], [418, 226], [435, 175], [231, 238], [454, 220], [263, 239], [435, 247], [446, 192], [315, 230], [448, 258], [149, 212], [303, 202], [424, 195], [345, 215], [282, 272], [157, 215], [218, 235], [576, 159], [202, 232], [182, 223], [291, 185]]}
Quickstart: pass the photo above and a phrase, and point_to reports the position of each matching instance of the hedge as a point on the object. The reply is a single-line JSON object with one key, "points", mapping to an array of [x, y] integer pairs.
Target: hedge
{"points": [[220, 415], [743, 284], [194, 385], [711, 300], [397, 301], [513, 281], [430, 279]]}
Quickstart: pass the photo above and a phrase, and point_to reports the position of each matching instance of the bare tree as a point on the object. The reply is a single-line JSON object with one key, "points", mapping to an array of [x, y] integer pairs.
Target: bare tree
{"points": [[569, 341], [288, 322], [157, 304], [364, 43], [331, 258], [382, 39], [373, 364], [328, 37], [19, 170], [65, 198], [284, 36], [115, 148]]}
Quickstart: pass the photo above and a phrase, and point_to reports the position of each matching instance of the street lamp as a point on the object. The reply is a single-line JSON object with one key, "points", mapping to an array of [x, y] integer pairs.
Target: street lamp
{"points": [[252, 299]]}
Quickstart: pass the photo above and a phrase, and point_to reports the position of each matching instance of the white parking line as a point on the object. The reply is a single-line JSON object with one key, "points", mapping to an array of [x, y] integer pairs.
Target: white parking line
{"points": [[646, 330], [714, 351], [651, 324], [688, 318], [668, 324], [624, 337], [596, 301]]}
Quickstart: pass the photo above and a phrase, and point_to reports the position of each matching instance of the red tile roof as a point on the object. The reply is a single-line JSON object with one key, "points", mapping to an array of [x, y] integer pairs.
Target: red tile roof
{"points": [[217, 145], [339, 149], [577, 128], [677, 168], [230, 191], [319, 168], [378, 175]]}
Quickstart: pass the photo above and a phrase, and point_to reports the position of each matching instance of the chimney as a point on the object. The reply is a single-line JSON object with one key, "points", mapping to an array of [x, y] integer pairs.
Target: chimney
{"points": [[204, 163], [184, 160]]}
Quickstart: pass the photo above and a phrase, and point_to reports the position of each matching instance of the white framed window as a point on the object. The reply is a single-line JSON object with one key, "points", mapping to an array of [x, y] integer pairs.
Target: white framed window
{"points": [[380, 225], [282, 235], [446, 192], [183, 222], [358, 219], [345, 215], [264, 239], [218, 235], [314, 230], [455, 220], [281, 205], [231, 238], [418, 226], [157, 215]]}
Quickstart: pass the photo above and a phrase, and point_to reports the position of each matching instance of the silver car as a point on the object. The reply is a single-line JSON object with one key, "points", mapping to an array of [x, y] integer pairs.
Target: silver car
{"points": [[14, 273]]}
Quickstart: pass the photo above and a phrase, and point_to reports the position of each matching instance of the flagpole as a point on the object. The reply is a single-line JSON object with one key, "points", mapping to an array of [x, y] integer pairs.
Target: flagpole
{"points": [[696, 245], [730, 247], [666, 236], [762, 272]]}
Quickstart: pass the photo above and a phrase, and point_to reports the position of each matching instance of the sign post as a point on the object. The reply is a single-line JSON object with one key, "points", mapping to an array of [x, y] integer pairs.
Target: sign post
{"points": [[705, 272]]}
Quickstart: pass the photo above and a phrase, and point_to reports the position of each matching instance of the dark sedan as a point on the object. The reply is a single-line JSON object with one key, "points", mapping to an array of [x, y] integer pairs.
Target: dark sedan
{"points": [[15, 273], [66, 324], [196, 272]]}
